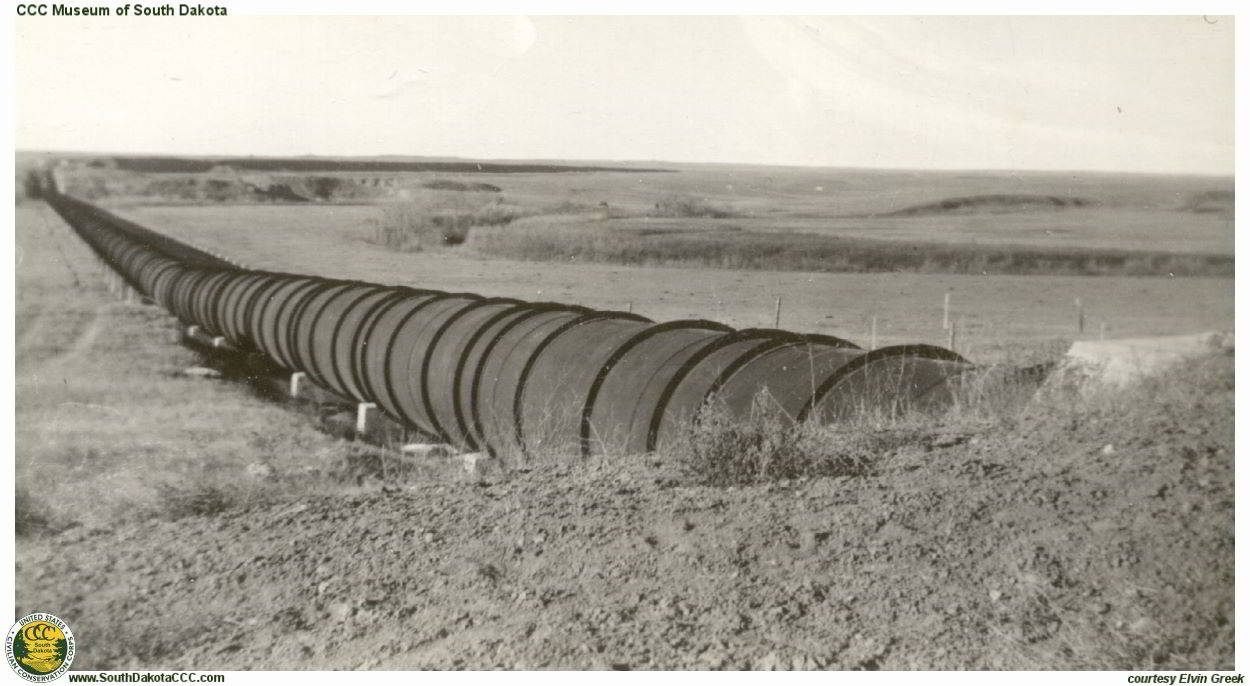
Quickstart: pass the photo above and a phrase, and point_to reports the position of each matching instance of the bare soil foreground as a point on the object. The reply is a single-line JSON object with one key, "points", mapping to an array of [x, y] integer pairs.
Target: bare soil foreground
{"points": [[1073, 533]]}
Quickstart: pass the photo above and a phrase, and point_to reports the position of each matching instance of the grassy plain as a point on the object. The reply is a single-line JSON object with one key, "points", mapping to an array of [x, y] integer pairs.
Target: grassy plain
{"points": [[994, 313], [1191, 214], [110, 431], [723, 242]]}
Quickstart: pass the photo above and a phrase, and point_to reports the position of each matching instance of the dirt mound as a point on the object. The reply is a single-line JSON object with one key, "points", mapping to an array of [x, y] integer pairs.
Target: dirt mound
{"points": [[991, 204], [1090, 534]]}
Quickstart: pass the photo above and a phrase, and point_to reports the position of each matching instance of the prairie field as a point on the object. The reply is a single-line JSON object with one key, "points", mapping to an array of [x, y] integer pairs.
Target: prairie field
{"points": [[1017, 530], [1088, 532], [993, 313], [109, 430], [1045, 211], [1144, 254]]}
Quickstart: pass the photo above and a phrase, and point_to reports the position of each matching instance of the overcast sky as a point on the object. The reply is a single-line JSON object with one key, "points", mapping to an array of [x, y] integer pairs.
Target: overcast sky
{"points": [[1111, 93]]}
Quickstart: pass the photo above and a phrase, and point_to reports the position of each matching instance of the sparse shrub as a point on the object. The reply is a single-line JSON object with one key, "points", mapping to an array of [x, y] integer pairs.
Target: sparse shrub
{"points": [[463, 186], [29, 517], [721, 450], [997, 394], [194, 501], [687, 206], [324, 187], [570, 206], [438, 222]]}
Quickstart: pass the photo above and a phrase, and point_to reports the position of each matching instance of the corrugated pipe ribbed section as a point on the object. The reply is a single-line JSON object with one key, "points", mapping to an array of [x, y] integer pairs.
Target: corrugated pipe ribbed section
{"points": [[508, 377]]}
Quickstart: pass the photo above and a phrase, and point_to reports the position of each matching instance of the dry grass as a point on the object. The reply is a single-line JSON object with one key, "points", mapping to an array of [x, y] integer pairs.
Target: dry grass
{"points": [[443, 214], [107, 428], [675, 205], [438, 219], [1139, 212], [995, 314], [766, 445], [723, 450]]}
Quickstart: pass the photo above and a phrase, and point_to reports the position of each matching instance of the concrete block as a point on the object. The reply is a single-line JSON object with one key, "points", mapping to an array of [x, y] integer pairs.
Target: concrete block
{"points": [[366, 417], [298, 381], [427, 450], [1119, 362], [479, 466]]}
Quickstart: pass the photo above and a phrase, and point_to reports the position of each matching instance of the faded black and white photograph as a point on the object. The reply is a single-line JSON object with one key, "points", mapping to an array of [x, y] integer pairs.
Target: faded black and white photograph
{"points": [[610, 342]]}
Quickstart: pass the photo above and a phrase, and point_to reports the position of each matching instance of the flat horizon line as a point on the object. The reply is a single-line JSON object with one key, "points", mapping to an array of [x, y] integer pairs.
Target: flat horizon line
{"points": [[608, 161]]}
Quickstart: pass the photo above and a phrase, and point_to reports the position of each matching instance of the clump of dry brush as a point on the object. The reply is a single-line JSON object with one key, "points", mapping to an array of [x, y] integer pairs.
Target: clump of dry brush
{"points": [[431, 222], [766, 445], [723, 450]]}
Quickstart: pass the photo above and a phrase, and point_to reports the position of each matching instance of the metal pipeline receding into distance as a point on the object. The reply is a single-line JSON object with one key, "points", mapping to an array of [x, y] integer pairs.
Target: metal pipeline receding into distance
{"points": [[505, 376]]}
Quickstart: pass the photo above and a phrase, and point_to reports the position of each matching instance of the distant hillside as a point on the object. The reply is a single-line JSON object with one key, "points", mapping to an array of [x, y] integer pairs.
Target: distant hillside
{"points": [[199, 165]]}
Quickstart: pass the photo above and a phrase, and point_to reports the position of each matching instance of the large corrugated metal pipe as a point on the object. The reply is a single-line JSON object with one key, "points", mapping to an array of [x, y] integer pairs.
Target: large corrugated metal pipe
{"points": [[508, 377]]}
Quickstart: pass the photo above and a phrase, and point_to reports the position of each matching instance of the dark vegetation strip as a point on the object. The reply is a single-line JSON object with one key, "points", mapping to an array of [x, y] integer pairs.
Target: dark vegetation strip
{"points": [[992, 202], [806, 252]]}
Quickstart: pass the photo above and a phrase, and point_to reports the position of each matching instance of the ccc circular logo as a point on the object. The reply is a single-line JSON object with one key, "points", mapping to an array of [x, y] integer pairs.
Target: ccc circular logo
{"points": [[40, 647]]}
